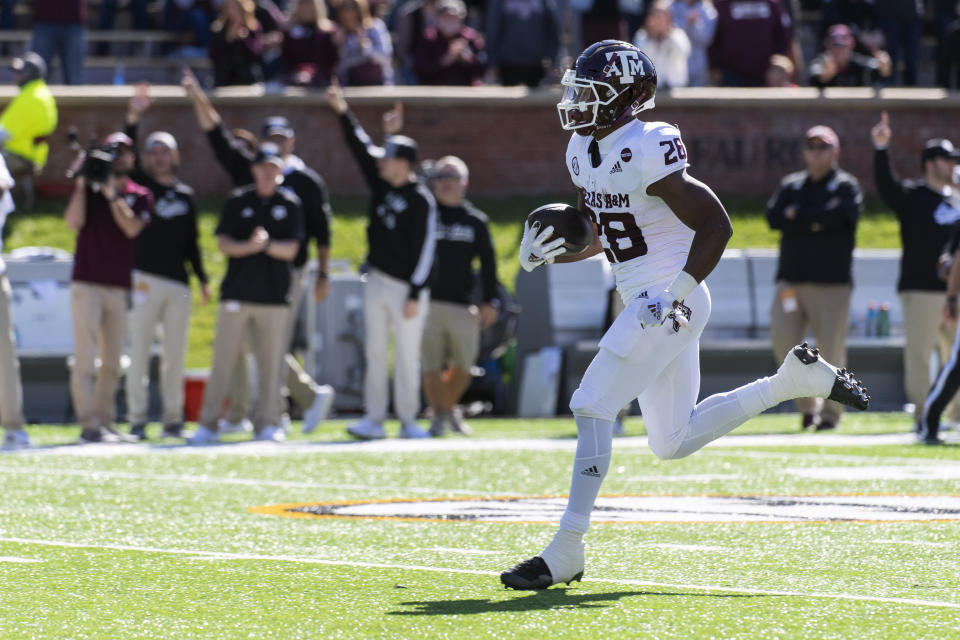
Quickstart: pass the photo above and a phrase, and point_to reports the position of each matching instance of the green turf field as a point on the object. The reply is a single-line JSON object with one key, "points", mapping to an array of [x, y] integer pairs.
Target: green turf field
{"points": [[158, 541]]}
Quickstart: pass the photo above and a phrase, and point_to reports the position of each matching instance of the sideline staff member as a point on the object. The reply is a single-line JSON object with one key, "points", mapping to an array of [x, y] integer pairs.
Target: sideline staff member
{"points": [[402, 236], [260, 231], [816, 210], [926, 219]]}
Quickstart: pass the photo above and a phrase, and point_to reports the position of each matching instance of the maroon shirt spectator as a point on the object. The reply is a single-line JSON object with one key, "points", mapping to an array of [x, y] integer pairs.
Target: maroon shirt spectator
{"points": [[450, 53], [748, 33], [104, 254], [309, 51], [60, 11], [236, 47]]}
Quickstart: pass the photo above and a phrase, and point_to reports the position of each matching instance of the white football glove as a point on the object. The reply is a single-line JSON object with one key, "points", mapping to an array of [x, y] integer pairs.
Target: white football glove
{"points": [[535, 249], [654, 311]]}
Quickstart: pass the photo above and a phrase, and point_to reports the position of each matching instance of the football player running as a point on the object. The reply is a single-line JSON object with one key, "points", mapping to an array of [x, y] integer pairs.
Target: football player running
{"points": [[663, 231]]}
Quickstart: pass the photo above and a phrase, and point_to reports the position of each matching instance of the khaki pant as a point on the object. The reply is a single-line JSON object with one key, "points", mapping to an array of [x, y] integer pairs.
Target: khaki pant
{"points": [[236, 321], [383, 301], [451, 335], [99, 314], [11, 391], [167, 303], [824, 308], [925, 330], [300, 386]]}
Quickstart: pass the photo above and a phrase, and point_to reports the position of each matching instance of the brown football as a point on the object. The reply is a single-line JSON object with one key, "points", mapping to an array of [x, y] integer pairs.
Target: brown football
{"points": [[567, 222]]}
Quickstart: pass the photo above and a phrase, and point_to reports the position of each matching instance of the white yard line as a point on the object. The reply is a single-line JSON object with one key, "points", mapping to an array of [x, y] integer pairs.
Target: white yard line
{"points": [[199, 554], [214, 480], [457, 444], [19, 560]]}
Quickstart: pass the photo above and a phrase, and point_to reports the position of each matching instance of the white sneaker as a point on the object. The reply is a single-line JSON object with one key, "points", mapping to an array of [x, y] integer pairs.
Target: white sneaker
{"points": [[284, 423], [203, 435], [225, 426], [367, 430], [271, 433], [17, 439], [320, 408], [457, 424], [413, 430]]}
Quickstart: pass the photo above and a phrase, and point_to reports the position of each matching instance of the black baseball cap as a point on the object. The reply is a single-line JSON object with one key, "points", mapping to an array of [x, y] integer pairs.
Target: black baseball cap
{"points": [[939, 148], [269, 153], [401, 147], [277, 126]]}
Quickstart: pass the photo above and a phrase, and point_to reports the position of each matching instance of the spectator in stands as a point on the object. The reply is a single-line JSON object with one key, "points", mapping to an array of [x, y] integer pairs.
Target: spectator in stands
{"points": [[140, 19], [161, 289], [8, 14], [816, 210], [840, 66], [236, 45], [190, 21], [902, 25], [601, 20], [413, 18], [273, 22], [260, 231], [11, 391], [780, 73], [107, 216], [450, 53], [926, 218], [309, 50], [401, 234], [60, 31], [236, 157], [748, 33], [523, 40], [364, 47], [698, 18], [666, 44], [26, 123], [451, 337], [948, 58]]}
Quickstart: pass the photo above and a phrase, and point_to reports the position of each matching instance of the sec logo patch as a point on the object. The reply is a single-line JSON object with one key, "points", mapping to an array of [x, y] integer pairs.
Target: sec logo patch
{"points": [[626, 154]]}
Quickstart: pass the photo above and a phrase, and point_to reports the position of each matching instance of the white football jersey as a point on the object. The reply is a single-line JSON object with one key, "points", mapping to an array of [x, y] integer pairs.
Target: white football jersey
{"points": [[644, 241]]}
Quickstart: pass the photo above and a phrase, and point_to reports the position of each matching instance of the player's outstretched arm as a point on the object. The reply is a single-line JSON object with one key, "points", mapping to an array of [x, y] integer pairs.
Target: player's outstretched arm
{"points": [[695, 204]]}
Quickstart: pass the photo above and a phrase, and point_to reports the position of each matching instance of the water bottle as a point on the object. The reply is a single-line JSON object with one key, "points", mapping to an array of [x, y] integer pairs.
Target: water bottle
{"points": [[118, 75], [870, 321], [883, 320]]}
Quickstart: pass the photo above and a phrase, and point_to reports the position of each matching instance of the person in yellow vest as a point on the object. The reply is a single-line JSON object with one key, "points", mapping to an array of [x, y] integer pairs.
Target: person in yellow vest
{"points": [[27, 122]]}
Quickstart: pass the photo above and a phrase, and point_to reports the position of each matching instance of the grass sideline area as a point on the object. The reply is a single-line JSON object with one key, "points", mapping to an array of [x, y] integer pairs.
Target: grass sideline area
{"points": [[877, 229], [159, 540]]}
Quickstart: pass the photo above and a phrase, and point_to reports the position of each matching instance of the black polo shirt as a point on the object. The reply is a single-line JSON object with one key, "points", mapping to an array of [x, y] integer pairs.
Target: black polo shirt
{"points": [[462, 235], [259, 278], [817, 242]]}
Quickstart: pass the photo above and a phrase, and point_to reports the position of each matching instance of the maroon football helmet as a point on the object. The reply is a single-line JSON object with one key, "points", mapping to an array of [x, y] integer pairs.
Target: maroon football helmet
{"points": [[611, 81]]}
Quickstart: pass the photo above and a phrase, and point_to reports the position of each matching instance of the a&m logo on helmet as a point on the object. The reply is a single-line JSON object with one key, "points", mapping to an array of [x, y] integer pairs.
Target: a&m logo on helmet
{"points": [[625, 63]]}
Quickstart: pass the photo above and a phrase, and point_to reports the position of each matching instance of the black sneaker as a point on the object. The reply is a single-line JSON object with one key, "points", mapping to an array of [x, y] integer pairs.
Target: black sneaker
{"points": [[809, 420], [98, 434], [139, 431], [530, 575], [825, 425], [173, 430]]}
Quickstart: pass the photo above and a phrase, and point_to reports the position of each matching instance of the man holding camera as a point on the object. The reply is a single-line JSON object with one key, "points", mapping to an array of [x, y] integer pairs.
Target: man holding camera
{"points": [[108, 211]]}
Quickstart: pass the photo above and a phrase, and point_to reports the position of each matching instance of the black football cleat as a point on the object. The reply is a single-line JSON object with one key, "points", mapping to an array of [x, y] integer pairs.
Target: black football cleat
{"points": [[812, 376], [531, 575]]}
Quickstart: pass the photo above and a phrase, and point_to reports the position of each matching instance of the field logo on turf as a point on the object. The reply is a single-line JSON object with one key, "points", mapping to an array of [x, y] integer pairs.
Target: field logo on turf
{"points": [[640, 509]]}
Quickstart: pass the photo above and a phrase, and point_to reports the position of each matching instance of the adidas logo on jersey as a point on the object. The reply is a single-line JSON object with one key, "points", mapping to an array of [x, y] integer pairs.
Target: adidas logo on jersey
{"points": [[616, 168], [591, 471]]}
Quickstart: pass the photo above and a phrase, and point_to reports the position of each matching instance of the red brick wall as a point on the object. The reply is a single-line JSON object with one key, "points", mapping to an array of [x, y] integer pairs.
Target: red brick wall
{"points": [[741, 142]]}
